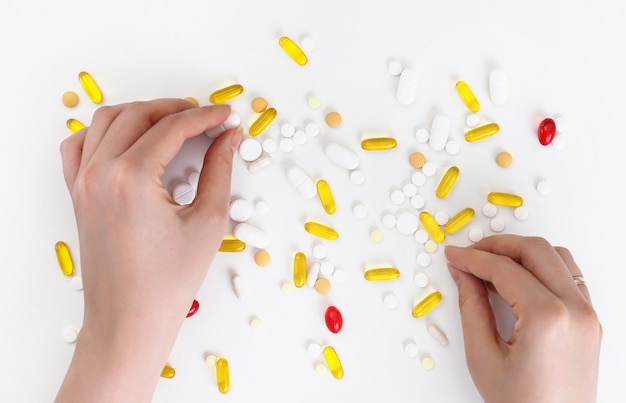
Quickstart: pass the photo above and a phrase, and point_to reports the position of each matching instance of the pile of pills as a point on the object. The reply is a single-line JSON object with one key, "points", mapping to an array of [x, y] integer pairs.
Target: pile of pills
{"points": [[313, 269]]}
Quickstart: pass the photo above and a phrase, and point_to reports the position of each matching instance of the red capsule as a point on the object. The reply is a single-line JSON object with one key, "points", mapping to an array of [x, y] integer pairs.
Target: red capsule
{"points": [[546, 131], [195, 305], [334, 320]]}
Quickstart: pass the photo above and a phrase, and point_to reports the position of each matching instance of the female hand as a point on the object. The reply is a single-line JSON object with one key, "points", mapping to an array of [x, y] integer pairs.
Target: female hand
{"points": [[143, 257], [553, 353]]}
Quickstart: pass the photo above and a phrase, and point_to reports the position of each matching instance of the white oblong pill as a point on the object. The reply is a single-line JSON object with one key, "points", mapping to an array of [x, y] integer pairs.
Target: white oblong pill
{"points": [[497, 224], [251, 235], [183, 193], [342, 156], [498, 86], [437, 334], [439, 132], [407, 223], [313, 274], [407, 86], [250, 149], [238, 286], [260, 163], [240, 210], [301, 182]]}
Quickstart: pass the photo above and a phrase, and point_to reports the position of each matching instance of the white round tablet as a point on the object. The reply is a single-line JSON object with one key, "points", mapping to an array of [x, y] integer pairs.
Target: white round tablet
{"points": [[250, 149], [312, 129], [287, 145], [497, 224], [300, 138], [442, 217], [411, 350], [240, 210], [417, 202], [429, 169], [270, 146], [262, 207], [210, 360], [418, 178], [421, 236], [490, 210], [232, 121], [521, 213], [544, 187], [357, 177], [287, 288], [340, 275], [320, 251], [422, 135], [407, 223], [421, 280], [453, 147], [475, 234], [390, 300], [424, 259], [359, 211], [308, 44], [193, 178], [561, 123], [409, 189], [389, 221], [70, 335], [397, 197], [314, 349], [287, 129], [472, 120], [183, 193], [327, 268], [77, 282]]}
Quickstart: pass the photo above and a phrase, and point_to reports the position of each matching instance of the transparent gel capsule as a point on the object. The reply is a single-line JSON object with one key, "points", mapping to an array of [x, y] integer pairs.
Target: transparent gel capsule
{"points": [[426, 304], [333, 363], [64, 258], [458, 221], [326, 196], [90, 87], [333, 319], [168, 372], [223, 375], [447, 182], [482, 132], [232, 245], [262, 122], [320, 230], [382, 274], [226, 94], [290, 47], [467, 96], [505, 199], [299, 269], [546, 131], [74, 125], [432, 227], [379, 143]]}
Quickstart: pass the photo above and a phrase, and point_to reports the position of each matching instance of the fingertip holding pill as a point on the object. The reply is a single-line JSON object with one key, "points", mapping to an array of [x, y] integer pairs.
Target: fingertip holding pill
{"points": [[183, 193], [192, 101]]}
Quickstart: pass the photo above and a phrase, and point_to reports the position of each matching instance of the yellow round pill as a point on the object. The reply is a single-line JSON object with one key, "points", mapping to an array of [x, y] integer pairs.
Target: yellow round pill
{"points": [[376, 235], [256, 324], [417, 160], [333, 119], [427, 362], [262, 258], [287, 288], [210, 360], [259, 104], [322, 285], [70, 99], [430, 246], [504, 159], [192, 100], [313, 101]]}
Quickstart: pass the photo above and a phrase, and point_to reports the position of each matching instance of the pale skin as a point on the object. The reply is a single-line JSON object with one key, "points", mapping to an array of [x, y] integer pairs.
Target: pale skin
{"points": [[143, 259]]}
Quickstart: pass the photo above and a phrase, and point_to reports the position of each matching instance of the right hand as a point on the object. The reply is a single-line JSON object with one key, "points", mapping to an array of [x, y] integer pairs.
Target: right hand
{"points": [[553, 353]]}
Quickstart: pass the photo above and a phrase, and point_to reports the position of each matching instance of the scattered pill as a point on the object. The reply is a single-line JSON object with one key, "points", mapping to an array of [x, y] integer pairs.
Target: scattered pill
{"points": [[395, 67], [256, 324], [193, 179], [562, 123], [475, 234], [270, 146], [497, 224], [409, 190], [232, 245], [327, 268], [453, 147], [424, 259], [210, 360], [260, 163], [299, 269], [417, 202], [379, 143], [482, 132], [238, 286], [223, 376], [417, 160], [251, 235], [320, 230], [359, 211], [192, 101], [259, 104], [459, 220], [74, 125], [422, 135], [472, 120], [226, 94], [183, 193], [390, 300], [250, 149], [430, 246], [382, 274], [64, 258], [437, 334], [407, 223], [429, 169], [407, 86], [427, 362], [439, 132], [168, 372], [442, 217], [287, 145], [544, 187], [308, 44], [397, 197], [77, 283], [430, 225], [262, 122], [314, 349], [322, 285], [504, 159], [411, 349], [546, 131], [321, 369], [195, 305], [421, 236], [313, 274], [421, 279], [340, 275], [301, 182], [490, 210], [467, 96], [240, 210], [333, 363], [333, 319], [418, 178], [287, 288], [389, 221], [426, 304], [69, 99], [521, 213], [505, 199], [90, 87], [326, 196], [447, 182], [287, 129], [312, 129], [320, 251], [342, 156], [70, 335], [333, 119], [357, 177], [293, 51], [313, 101]]}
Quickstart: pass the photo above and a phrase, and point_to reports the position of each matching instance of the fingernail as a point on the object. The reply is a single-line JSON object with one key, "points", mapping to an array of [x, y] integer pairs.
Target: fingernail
{"points": [[235, 139]]}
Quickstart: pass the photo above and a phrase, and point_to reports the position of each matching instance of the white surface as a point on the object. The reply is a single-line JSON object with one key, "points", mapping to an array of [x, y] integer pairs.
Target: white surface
{"points": [[561, 57]]}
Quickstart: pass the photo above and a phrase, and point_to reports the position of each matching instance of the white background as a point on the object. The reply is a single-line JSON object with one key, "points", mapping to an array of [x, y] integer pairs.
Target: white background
{"points": [[563, 58]]}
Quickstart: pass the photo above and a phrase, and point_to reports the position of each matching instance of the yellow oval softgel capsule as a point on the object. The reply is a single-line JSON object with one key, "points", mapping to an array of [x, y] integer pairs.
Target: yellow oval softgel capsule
{"points": [[64, 258], [223, 375], [262, 122], [447, 182], [459, 220], [290, 47], [226, 94], [505, 199], [432, 227], [382, 274], [333, 363], [74, 125], [326, 196], [168, 372], [482, 132], [299, 269], [232, 245], [90, 87], [426, 304], [320, 230], [379, 143], [467, 96]]}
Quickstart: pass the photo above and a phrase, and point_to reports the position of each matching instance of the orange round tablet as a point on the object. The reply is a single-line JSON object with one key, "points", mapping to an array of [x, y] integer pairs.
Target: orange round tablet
{"points": [[322, 285], [262, 258], [259, 104], [333, 119], [417, 160], [504, 159], [70, 99]]}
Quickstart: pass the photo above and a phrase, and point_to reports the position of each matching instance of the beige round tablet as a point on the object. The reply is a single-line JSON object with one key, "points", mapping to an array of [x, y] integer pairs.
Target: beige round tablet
{"points": [[417, 160], [427, 362], [70, 99], [333, 119], [210, 360], [262, 258], [430, 246], [259, 104], [322, 285], [504, 159], [192, 100], [376, 235], [313, 101], [256, 324]]}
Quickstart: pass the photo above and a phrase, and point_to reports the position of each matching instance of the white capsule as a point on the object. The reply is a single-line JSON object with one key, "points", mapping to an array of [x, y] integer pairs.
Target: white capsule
{"points": [[183, 193], [313, 274], [300, 138], [327, 268], [521, 213], [240, 210], [422, 135], [497, 224], [357, 177], [286, 145], [270, 146], [424, 259], [407, 223], [475, 234], [407, 86], [439, 132], [250, 149], [301, 182], [417, 202], [389, 221], [421, 280], [260, 163], [251, 235], [238, 286], [490, 210], [312, 129], [342, 156], [498, 86], [437, 334], [395, 67]]}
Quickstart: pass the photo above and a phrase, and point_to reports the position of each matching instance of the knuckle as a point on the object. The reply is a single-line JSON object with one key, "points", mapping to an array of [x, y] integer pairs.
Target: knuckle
{"points": [[539, 241], [105, 113]]}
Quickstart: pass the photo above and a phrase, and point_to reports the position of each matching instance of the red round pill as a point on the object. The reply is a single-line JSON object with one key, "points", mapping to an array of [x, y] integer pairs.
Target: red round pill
{"points": [[334, 320], [195, 305], [546, 131]]}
